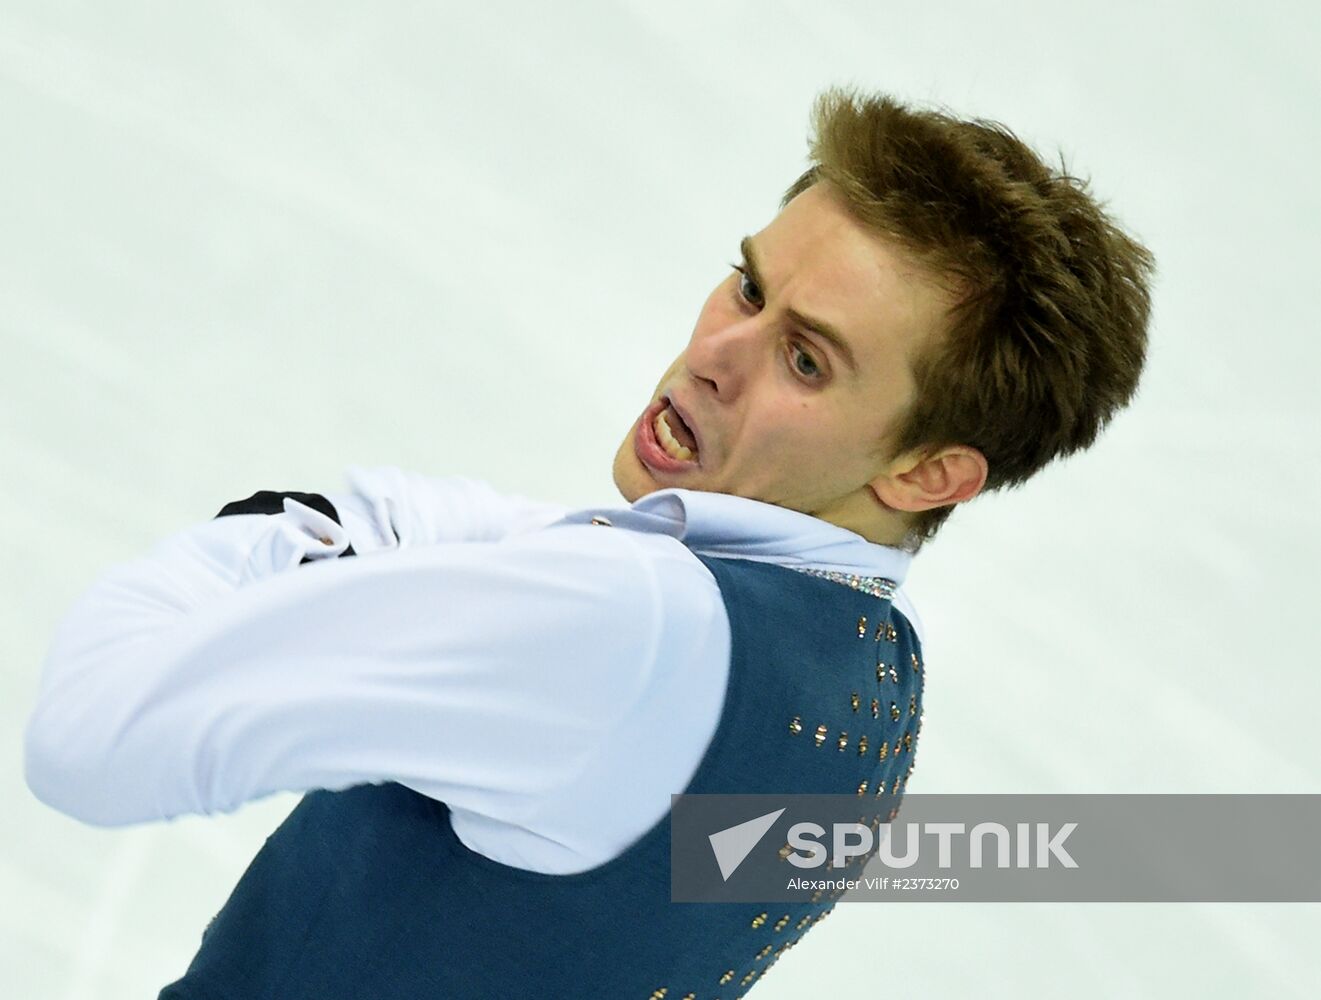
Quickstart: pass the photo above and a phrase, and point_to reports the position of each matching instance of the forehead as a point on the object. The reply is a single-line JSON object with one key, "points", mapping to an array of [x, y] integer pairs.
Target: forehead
{"points": [[817, 258]]}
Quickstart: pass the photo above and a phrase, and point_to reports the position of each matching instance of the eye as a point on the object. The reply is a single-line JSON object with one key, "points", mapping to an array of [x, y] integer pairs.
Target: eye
{"points": [[815, 374], [745, 281], [798, 352]]}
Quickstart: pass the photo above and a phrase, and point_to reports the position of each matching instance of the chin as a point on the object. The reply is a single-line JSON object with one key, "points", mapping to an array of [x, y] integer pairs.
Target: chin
{"points": [[627, 474]]}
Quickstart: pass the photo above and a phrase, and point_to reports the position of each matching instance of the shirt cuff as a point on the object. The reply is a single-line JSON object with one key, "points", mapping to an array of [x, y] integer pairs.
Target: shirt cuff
{"points": [[299, 532]]}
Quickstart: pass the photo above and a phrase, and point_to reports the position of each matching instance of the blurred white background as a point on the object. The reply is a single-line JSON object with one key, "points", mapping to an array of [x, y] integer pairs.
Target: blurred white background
{"points": [[245, 245]]}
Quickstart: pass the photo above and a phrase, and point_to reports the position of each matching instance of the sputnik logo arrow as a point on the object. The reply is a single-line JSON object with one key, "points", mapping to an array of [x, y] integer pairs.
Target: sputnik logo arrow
{"points": [[735, 843]]}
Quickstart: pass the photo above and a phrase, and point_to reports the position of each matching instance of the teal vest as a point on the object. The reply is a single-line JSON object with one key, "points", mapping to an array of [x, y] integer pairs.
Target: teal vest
{"points": [[367, 892]]}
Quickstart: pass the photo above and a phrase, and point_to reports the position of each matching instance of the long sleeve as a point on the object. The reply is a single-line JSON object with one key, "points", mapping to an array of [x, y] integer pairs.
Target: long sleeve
{"points": [[485, 675], [389, 507]]}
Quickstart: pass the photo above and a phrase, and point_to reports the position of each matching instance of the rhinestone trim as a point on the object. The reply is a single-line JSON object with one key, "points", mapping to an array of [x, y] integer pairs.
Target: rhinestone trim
{"points": [[877, 586]]}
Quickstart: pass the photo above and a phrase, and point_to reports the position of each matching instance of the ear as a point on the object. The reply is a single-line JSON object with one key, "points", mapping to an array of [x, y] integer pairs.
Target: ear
{"points": [[916, 482]]}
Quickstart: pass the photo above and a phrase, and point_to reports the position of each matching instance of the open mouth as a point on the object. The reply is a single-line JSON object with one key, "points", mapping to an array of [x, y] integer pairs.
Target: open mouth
{"points": [[675, 436], [664, 443]]}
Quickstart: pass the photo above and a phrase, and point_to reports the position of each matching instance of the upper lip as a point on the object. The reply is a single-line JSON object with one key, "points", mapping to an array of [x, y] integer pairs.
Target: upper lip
{"points": [[683, 415]]}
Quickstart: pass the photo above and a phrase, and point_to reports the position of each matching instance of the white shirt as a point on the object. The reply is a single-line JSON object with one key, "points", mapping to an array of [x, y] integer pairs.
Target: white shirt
{"points": [[553, 681]]}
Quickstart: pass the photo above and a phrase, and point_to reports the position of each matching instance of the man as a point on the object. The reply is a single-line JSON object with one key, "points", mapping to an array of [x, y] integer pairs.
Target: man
{"points": [[490, 706]]}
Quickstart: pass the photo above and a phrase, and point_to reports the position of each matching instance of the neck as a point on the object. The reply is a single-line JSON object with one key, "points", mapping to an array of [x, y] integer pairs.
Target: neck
{"points": [[863, 512]]}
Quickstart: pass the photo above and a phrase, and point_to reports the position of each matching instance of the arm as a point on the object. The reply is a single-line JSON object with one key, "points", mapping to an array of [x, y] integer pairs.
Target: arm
{"points": [[386, 507], [389, 507], [482, 675]]}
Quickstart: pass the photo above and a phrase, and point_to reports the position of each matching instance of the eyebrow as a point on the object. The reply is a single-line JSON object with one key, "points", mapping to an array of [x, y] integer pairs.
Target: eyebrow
{"points": [[821, 328]]}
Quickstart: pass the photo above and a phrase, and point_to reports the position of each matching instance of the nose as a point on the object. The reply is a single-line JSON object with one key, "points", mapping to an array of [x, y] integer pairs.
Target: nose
{"points": [[725, 352]]}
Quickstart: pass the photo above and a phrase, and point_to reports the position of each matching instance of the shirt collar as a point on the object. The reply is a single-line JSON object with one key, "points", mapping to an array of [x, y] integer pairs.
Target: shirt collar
{"points": [[721, 524]]}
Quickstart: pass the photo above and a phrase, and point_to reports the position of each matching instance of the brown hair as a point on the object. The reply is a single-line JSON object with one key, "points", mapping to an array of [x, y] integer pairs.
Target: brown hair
{"points": [[1048, 331]]}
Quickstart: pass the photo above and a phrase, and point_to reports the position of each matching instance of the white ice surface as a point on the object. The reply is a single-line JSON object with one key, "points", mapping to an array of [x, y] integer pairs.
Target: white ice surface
{"points": [[245, 245]]}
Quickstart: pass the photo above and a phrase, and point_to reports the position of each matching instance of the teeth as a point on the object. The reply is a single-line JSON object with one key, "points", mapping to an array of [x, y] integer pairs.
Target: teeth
{"points": [[672, 447]]}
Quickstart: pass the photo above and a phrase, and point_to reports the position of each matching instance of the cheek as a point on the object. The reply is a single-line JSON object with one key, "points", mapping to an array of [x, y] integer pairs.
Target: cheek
{"points": [[789, 431], [816, 434]]}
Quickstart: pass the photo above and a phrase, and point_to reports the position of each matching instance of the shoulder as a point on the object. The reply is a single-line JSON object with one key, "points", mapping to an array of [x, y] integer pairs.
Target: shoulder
{"points": [[627, 581], [614, 564]]}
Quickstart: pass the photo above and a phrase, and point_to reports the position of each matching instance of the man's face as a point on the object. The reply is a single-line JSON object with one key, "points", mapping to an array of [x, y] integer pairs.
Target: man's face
{"points": [[779, 413]]}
